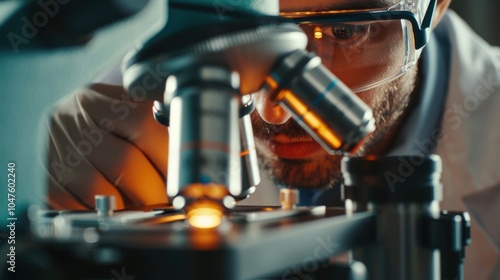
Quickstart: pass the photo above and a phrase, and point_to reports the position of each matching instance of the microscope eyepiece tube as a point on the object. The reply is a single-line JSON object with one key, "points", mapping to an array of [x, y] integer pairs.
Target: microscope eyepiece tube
{"points": [[326, 108], [204, 144]]}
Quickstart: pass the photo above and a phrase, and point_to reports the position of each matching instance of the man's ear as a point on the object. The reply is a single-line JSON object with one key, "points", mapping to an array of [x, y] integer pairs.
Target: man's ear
{"points": [[441, 7]]}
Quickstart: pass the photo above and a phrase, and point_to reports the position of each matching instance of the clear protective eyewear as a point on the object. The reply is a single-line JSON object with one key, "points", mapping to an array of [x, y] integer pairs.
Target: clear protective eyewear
{"points": [[369, 47]]}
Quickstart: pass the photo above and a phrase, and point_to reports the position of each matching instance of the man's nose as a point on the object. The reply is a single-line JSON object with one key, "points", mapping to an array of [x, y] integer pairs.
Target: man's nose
{"points": [[268, 110]]}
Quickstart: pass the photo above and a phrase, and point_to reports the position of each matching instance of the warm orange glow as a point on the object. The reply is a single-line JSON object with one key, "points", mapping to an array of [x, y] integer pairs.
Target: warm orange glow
{"points": [[202, 239], [211, 190], [193, 190], [215, 191], [246, 152], [297, 14], [204, 217], [312, 121], [328, 136], [205, 214], [318, 34], [273, 86], [295, 104]]}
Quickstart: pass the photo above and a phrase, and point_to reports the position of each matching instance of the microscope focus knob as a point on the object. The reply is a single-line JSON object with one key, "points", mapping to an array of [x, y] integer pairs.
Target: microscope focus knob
{"points": [[105, 205], [288, 198]]}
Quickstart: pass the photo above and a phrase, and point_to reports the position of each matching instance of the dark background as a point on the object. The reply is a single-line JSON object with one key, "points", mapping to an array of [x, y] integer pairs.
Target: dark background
{"points": [[482, 15]]}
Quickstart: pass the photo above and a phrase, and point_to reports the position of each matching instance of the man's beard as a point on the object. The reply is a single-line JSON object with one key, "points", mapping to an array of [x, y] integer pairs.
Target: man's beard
{"points": [[389, 104], [314, 172]]}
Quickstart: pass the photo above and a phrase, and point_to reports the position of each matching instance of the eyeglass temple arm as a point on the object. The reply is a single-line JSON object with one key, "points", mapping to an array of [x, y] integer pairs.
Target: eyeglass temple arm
{"points": [[427, 24]]}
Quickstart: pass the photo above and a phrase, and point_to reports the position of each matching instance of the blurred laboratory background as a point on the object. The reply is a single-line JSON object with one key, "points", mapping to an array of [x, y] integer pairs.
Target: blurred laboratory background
{"points": [[482, 15]]}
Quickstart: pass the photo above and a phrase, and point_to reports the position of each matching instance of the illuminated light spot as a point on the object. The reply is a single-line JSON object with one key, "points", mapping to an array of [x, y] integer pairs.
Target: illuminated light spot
{"points": [[205, 217], [318, 34]]}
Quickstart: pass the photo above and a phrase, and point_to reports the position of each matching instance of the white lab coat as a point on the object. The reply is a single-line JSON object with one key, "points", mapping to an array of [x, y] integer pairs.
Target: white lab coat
{"points": [[470, 143]]}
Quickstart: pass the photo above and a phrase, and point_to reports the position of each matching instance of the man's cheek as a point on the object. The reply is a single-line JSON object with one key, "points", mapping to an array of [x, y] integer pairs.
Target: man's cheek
{"points": [[368, 97]]}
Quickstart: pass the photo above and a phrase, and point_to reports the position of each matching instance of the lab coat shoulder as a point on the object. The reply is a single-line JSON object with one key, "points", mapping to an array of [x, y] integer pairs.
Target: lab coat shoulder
{"points": [[470, 141]]}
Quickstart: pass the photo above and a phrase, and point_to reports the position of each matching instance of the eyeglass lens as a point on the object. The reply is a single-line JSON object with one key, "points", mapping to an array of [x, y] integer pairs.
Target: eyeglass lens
{"points": [[364, 53]]}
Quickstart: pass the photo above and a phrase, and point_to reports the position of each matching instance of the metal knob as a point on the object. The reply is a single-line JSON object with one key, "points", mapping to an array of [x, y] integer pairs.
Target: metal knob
{"points": [[105, 205], [288, 198]]}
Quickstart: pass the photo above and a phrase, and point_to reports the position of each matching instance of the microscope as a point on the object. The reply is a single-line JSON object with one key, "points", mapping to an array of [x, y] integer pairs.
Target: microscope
{"points": [[216, 54], [206, 105]]}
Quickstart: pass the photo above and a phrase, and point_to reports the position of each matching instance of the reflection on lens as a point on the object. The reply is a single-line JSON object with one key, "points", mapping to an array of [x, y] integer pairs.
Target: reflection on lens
{"points": [[318, 34], [314, 122]]}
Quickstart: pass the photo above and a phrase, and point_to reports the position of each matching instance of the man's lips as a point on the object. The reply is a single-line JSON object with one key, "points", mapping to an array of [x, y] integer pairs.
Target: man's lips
{"points": [[285, 147]]}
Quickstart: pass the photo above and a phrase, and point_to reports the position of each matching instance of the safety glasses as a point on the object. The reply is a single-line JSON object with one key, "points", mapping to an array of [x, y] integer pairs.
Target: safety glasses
{"points": [[367, 48]]}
